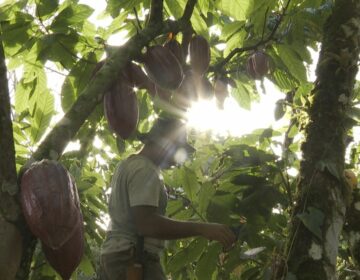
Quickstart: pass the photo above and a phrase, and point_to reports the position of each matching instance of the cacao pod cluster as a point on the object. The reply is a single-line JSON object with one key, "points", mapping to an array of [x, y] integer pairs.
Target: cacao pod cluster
{"points": [[51, 208], [167, 76]]}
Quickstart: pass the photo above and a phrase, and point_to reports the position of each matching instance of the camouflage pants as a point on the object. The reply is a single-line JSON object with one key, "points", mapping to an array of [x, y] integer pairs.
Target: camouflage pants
{"points": [[113, 266]]}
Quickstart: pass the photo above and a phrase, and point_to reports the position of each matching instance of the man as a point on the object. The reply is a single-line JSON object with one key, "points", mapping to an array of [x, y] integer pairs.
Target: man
{"points": [[138, 202]]}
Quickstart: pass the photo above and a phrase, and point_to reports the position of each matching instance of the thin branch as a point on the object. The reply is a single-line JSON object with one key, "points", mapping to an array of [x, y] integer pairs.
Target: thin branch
{"points": [[137, 19], [156, 12], [236, 51], [189, 9]]}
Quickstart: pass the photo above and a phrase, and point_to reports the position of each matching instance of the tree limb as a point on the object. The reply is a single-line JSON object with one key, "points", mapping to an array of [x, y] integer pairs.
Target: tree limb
{"points": [[156, 12], [189, 9], [8, 177]]}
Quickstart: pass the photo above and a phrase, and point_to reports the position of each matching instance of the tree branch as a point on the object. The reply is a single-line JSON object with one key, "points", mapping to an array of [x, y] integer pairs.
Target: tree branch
{"points": [[189, 9], [7, 149], [9, 207], [156, 12], [236, 51], [54, 144]]}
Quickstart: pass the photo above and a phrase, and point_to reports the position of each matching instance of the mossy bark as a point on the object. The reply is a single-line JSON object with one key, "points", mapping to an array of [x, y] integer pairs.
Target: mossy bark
{"points": [[322, 194]]}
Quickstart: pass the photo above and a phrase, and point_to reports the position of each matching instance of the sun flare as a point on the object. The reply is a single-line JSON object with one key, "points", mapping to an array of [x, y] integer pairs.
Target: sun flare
{"points": [[232, 120]]}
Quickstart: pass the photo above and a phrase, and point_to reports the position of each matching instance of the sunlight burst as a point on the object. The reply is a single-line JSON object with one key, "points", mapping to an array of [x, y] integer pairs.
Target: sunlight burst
{"points": [[233, 120]]}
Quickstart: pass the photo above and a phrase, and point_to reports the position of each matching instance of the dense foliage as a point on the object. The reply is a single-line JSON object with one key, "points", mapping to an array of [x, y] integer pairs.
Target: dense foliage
{"points": [[241, 181]]}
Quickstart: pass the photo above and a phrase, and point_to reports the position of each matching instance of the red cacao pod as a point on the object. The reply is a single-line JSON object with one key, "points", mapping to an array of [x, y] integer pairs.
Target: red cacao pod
{"points": [[50, 202], [66, 258], [175, 47], [199, 51], [163, 68], [121, 109], [258, 65]]}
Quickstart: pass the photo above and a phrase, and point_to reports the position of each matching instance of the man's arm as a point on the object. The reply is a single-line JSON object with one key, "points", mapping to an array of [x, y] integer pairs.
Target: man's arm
{"points": [[151, 224]]}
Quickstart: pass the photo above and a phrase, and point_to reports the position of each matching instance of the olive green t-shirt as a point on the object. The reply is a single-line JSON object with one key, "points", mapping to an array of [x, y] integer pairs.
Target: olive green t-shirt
{"points": [[136, 181]]}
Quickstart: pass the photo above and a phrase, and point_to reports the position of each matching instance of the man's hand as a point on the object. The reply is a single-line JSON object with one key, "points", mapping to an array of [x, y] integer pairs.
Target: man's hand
{"points": [[218, 232]]}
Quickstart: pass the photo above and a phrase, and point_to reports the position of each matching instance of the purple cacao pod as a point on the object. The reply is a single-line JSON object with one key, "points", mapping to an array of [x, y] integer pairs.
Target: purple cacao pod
{"points": [[163, 68], [50, 202], [66, 258], [199, 51], [258, 65], [121, 109], [175, 47]]}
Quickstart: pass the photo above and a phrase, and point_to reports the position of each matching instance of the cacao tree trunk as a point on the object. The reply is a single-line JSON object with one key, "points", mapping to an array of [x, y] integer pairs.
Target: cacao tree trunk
{"points": [[323, 196], [10, 236]]}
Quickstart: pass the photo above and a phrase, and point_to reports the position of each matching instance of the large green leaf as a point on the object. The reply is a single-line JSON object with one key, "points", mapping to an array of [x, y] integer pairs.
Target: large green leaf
{"points": [[44, 8], [44, 110], [292, 62], [72, 15], [236, 9], [189, 183], [208, 262], [187, 255]]}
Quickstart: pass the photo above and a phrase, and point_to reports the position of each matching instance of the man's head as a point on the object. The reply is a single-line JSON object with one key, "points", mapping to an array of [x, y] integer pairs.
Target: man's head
{"points": [[168, 137]]}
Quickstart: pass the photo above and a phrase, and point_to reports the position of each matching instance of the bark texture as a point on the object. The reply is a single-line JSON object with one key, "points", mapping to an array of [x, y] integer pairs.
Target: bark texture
{"points": [[323, 196], [10, 237]]}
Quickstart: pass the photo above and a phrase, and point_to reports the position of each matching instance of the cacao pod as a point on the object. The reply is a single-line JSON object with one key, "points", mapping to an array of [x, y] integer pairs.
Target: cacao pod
{"points": [[121, 109], [163, 68], [205, 89], [136, 77], [163, 93], [258, 65], [66, 258], [187, 92], [199, 51], [175, 47], [50, 202]]}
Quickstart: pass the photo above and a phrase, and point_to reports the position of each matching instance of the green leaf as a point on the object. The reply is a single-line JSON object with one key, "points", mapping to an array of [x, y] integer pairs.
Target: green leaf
{"points": [[204, 6], [176, 7], [236, 40], [313, 220], [71, 15], [206, 192], [236, 9], [199, 24], [44, 110], [292, 62], [189, 183], [207, 264], [22, 96], [187, 255], [283, 80], [45, 8], [220, 208], [242, 95]]}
